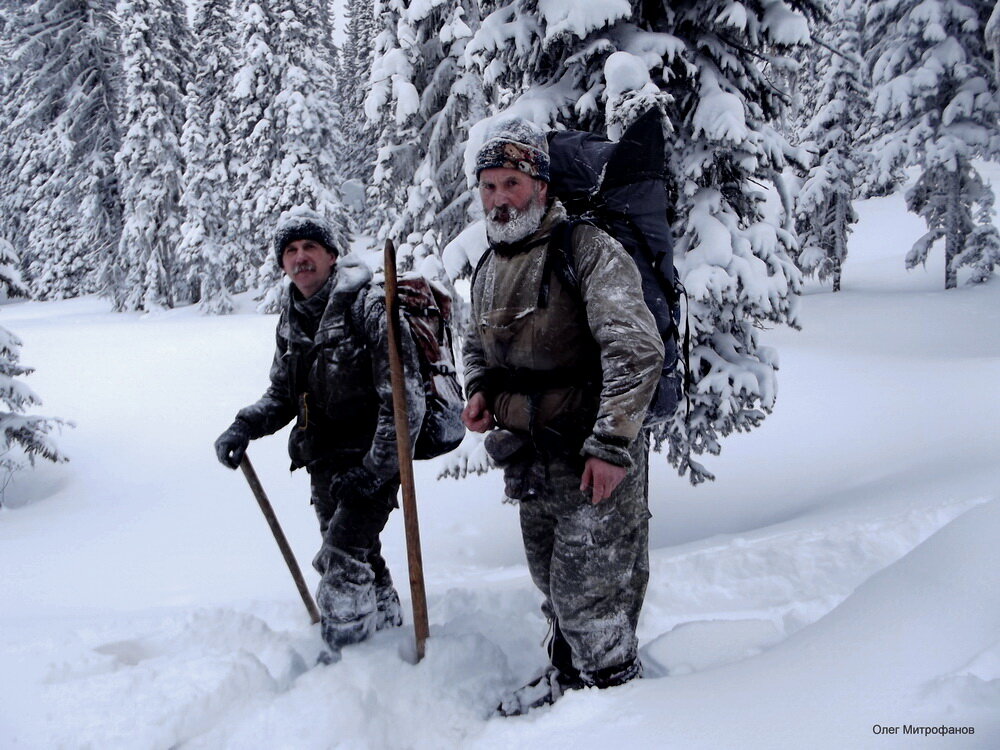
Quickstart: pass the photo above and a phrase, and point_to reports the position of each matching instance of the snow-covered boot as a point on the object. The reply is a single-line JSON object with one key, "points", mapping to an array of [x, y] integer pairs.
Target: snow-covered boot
{"points": [[547, 688], [544, 690], [390, 613], [613, 676], [561, 676], [346, 600]]}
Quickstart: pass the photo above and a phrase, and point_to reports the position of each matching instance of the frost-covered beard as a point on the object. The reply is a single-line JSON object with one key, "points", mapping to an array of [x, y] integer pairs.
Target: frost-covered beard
{"points": [[507, 224]]}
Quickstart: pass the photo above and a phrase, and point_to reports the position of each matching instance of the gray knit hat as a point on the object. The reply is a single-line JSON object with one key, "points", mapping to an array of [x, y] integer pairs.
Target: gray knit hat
{"points": [[515, 143], [302, 223]]}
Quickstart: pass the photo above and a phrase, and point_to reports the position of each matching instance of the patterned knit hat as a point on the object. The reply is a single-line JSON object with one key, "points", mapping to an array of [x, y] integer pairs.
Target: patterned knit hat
{"points": [[301, 223], [518, 144]]}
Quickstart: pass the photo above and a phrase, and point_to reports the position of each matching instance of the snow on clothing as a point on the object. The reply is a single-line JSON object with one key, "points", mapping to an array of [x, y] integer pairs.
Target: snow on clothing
{"points": [[355, 596], [515, 144], [607, 355], [331, 373], [590, 561], [336, 381], [567, 380], [302, 223]]}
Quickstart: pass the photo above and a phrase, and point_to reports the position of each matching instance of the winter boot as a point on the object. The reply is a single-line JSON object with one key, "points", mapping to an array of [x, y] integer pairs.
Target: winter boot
{"points": [[613, 676], [561, 676], [389, 614], [346, 600], [544, 690]]}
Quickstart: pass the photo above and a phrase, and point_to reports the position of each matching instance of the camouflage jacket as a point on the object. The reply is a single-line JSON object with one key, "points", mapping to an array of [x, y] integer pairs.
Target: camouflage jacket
{"points": [[336, 383], [599, 342]]}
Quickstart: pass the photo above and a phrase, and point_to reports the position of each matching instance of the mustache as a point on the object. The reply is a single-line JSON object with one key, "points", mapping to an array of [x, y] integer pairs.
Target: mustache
{"points": [[304, 265], [503, 214]]}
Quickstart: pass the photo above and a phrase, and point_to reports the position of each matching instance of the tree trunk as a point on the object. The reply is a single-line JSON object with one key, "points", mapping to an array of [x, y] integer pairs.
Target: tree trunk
{"points": [[954, 242], [841, 208]]}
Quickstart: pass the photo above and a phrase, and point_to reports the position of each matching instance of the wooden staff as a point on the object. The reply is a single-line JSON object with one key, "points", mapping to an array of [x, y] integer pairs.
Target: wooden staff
{"points": [[279, 536], [403, 447]]}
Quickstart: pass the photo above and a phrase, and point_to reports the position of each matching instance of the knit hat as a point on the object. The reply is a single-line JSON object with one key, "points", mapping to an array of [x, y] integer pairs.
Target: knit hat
{"points": [[518, 144], [302, 223]]}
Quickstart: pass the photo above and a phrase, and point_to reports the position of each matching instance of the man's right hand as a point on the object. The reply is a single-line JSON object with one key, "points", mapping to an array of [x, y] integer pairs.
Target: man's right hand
{"points": [[232, 444], [476, 416]]}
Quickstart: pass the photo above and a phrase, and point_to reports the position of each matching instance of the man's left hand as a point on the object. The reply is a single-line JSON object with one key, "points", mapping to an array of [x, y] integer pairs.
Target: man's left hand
{"points": [[602, 477]]}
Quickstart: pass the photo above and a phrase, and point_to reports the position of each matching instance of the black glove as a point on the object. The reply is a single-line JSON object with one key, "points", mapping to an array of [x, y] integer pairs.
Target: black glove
{"points": [[232, 444], [356, 483]]}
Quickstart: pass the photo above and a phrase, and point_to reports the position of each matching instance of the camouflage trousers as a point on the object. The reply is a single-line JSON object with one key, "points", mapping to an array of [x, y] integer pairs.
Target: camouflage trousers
{"points": [[355, 595], [591, 562]]}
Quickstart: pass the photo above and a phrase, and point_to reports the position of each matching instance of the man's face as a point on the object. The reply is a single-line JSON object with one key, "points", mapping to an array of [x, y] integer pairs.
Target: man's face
{"points": [[514, 203], [308, 264]]}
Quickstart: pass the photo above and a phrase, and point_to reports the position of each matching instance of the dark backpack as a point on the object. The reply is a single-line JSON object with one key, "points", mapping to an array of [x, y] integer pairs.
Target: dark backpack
{"points": [[620, 188], [427, 309]]}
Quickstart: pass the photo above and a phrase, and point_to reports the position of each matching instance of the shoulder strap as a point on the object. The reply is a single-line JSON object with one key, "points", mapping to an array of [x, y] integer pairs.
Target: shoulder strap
{"points": [[560, 260], [354, 315], [479, 264]]}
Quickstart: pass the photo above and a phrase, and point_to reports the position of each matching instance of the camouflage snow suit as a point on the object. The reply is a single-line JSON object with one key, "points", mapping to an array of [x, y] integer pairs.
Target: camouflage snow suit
{"points": [[569, 374], [331, 374]]}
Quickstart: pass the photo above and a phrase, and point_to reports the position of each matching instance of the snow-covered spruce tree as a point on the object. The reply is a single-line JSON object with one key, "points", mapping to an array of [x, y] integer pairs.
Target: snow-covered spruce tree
{"points": [[60, 193], [11, 282], [707, 64], [25, 115], [22, 436], [287, 128], [354, 63], [254, 140], [871, 178], [825, 214], [307, 122], [150, 164], [425, 97], [938, 103], [16, 146], [208, 233], [992, 36]]}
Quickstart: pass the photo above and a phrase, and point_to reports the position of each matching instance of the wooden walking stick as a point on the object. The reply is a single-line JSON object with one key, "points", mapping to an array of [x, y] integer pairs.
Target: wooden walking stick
{"points": [[420, 627], [279, 536]]}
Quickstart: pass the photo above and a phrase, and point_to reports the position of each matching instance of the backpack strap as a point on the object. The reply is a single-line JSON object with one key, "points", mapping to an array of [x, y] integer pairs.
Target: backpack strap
{"points": [[680, 290], [479, 264], [560, 260]]}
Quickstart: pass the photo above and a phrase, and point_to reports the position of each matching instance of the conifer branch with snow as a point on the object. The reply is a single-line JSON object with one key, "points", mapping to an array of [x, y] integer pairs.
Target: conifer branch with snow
{"points": [[937, 103], [825, 213], [705, 64], [23, 437]]}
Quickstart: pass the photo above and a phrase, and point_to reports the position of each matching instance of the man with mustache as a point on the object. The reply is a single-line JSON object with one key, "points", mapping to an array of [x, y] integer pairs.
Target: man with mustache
{"points": [[561, 361], [331, 373]]}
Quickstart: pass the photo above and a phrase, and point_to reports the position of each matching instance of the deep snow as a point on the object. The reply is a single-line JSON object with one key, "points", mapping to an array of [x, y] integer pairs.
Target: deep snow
{"points": [[843, 572]]}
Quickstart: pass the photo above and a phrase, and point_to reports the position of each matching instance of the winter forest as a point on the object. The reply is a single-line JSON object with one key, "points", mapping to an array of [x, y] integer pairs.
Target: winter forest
{"points": [[821, 563], [148, 146]]}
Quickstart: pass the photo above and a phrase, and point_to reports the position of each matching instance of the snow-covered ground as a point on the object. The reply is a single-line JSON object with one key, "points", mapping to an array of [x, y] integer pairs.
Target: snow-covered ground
{"points": [[842, 573]]}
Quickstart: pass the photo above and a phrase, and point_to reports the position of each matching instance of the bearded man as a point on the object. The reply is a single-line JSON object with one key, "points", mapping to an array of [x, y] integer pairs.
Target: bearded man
{"points": [[331, 374], [560, 369]]}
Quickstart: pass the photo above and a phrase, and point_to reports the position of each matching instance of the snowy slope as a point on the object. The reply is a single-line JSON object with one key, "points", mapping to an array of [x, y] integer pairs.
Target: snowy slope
{"points": [[842, 572]]}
